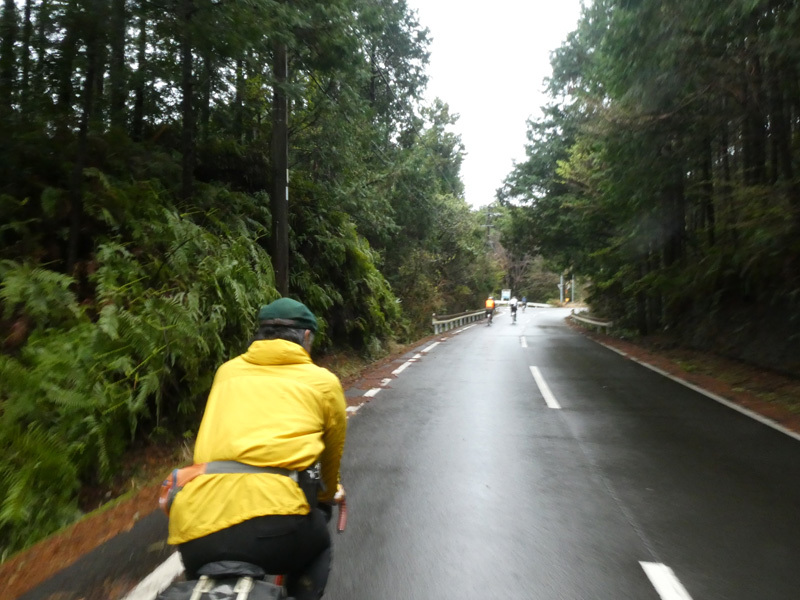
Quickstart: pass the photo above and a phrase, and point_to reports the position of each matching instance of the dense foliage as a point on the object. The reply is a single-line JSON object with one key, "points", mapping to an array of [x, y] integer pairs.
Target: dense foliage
{"points": [[667, 169], [136, 235]]}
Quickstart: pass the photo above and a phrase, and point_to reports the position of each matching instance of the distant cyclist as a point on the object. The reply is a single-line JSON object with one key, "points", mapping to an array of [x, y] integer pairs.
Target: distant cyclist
{"points": [[512, 304], [524, 303], [489, 309]]}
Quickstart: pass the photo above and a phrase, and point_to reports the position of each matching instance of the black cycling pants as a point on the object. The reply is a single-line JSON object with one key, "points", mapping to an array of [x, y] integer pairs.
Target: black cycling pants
{"points": [[298, 546]]}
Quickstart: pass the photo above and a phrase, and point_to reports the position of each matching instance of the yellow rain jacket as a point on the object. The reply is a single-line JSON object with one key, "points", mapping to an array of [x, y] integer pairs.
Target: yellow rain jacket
{"points": [[270, 406]]}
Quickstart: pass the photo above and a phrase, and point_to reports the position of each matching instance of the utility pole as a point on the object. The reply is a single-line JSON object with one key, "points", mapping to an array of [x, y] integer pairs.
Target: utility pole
{"points": [[489, 216], [279, 201]]}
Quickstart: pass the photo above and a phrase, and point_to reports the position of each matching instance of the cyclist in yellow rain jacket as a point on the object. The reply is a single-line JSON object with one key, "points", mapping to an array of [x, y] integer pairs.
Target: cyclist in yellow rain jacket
{"points": [[269, 407]]}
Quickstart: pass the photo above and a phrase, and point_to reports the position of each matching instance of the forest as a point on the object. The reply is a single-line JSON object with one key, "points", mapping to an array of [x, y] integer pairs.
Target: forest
{"points": [[138, 233], [167, 166], [666, 170]]}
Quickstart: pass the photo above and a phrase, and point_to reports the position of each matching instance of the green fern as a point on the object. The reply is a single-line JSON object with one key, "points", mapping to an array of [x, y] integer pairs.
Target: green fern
{"points": [[175, 296], [41, 294], [37, 485]]}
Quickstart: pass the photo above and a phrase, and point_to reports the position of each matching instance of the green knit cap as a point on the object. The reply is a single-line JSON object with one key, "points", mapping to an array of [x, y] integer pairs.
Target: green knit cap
{"points": [[287, 313]]}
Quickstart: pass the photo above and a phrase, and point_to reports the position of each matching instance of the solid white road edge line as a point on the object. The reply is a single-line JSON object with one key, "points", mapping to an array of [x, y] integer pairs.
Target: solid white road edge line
{"points": [[544, 389], [401, 368], [665, 582], [713, 396], [158, 580]]}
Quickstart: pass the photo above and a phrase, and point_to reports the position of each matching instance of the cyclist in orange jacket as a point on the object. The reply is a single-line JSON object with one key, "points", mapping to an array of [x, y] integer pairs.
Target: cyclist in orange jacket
{"points": [[490, 308]]}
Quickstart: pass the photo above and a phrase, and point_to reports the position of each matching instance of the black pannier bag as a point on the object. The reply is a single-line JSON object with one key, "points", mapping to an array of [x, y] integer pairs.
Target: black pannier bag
{"points": [[225, 580], [243, 588]]}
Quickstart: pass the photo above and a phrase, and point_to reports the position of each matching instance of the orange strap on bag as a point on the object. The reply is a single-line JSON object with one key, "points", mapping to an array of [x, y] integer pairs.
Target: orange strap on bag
{"points": [[174, 483]]}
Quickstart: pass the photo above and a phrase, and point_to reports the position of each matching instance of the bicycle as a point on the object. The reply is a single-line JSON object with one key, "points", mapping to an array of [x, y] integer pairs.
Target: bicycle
{"points": [[234, 580]]}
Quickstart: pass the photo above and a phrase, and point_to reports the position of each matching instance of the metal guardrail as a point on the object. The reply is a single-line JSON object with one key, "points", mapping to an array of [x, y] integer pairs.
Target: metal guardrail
{"points": [[447, 322], [592, 322]]}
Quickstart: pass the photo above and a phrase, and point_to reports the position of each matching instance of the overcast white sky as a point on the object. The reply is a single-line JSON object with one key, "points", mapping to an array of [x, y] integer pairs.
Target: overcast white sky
{"points": [[488, 62]]}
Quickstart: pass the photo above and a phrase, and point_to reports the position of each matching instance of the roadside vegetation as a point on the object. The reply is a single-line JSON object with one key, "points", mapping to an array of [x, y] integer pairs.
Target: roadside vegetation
{"points": [[136, 238], [666, 170]]}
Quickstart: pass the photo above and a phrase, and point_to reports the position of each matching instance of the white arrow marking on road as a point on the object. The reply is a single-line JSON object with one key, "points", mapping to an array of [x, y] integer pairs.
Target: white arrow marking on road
{"points": [[544, 389], [665, 582]]}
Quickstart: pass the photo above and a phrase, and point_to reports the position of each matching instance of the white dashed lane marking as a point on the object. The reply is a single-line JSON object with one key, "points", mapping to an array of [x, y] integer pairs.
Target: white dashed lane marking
{"points": [[549, 399], [665, 581]]}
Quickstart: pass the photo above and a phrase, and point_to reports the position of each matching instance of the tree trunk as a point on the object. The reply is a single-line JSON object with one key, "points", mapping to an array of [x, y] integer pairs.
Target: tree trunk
{"points": [[755, 134], [93, 45], [782, 159], [64, 71], [205, 96], [40, 44], [674, 216], [279, 204], [728, 221], [8, 35], [655, 302], [641, 303], [187, 108], [709, 215], [238, 101], [116, 65], [792, 84], [101, 60], [373, 94], [137, 126], [25, 57]]}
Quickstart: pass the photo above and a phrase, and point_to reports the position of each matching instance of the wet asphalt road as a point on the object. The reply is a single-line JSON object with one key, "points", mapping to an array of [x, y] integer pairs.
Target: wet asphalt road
{"points": [[463, 484]]}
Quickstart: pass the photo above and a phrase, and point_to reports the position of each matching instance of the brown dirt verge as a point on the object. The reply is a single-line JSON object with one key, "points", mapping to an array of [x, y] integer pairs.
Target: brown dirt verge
{"points": [[28, 569], [773, 395]]}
